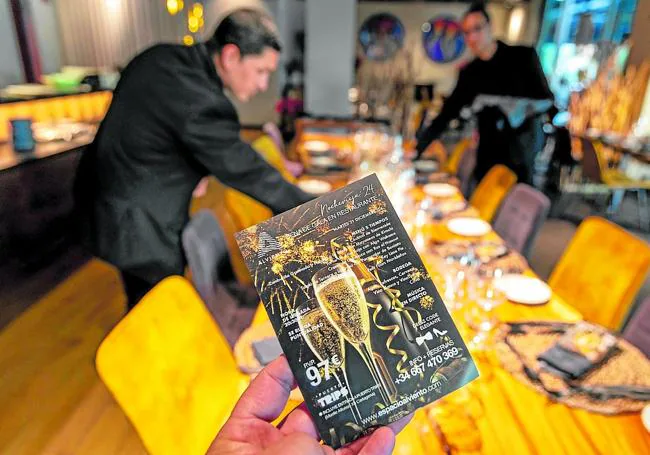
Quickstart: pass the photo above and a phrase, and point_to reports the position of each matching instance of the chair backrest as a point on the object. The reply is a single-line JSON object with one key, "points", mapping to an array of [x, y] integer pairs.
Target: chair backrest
{"points": [[215, 201], [591, 168], [637, 330], [491, 191], [451, 166], [244, 210], [207, 255], [601, 271], [171, 370], [465, 172], [272, 130], [265, 146], [521, 216], [437, 151]]}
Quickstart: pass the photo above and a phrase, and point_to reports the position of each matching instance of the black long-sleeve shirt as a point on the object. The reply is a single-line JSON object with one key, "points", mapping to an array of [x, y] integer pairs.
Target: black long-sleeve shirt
{"points": [[512, 71]]}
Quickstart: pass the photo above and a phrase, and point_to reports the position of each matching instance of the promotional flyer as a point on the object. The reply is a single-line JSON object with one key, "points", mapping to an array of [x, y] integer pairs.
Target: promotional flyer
{"points": [[365, 331]]}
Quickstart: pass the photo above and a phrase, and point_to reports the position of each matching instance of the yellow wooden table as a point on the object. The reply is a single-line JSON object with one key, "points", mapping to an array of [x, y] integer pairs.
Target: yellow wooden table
{"points": [[497, 414]]}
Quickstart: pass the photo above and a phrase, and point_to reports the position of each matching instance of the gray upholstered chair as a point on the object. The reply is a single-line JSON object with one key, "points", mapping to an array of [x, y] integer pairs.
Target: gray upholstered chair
{"points": [[637, 330], [232, 305], [521, 216]]}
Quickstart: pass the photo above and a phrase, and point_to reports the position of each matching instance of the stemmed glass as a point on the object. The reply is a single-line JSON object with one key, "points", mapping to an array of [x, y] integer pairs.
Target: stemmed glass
{"points": [[342, 300], [487, 297], [458, 269], [327, 345]]}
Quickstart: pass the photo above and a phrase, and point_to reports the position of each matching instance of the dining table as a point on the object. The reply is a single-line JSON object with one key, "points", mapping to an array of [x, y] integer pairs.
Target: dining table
{"points": [[497, 413]]}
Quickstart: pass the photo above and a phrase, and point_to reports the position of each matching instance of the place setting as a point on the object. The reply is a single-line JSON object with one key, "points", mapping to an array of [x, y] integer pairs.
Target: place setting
{"points": [[582, 365]]}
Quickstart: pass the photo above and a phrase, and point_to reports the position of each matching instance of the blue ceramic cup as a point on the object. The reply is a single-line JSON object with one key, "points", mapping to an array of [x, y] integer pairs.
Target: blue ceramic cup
{"points": [[23, 138]]}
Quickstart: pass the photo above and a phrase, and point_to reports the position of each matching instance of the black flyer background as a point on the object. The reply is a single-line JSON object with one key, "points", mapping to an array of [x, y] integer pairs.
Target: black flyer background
{"points": [[375, 368]]}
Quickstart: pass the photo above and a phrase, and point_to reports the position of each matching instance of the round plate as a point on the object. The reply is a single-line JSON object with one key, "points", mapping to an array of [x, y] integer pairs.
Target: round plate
{"points": [[426, 166], [645, 417], [440, 189], [316, 146], [524, 289], [315, 186], [322, 161], [469, 227]]}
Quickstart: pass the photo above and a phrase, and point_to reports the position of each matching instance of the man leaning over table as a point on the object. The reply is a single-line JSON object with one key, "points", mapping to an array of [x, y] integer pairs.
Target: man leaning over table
{"points": [[169, 125]]}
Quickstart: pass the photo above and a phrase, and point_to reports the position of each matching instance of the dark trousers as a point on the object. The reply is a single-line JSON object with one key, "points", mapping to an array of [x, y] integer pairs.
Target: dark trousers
{"points": [[135, 288]]}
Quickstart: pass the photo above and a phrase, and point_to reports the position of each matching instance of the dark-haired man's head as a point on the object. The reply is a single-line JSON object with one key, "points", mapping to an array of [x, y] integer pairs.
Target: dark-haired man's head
{"points": [[245, 49], [478, 31]]}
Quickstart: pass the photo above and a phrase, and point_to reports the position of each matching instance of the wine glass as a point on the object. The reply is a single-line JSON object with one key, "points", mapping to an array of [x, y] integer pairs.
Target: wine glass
{"points": [[342, 300], [487, 297], [327, 345], [458, 268]]}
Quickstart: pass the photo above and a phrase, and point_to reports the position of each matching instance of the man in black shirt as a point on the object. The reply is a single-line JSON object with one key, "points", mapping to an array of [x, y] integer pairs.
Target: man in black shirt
{"points": [[501, 70], [170, 124]]}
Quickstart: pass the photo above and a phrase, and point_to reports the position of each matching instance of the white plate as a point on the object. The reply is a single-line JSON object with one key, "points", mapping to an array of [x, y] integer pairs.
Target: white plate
{"points": [[645, 417], [440, 189], [426, 166], [469, 227], [322, 161], [316, 146], [315, 186], [524, 289]]}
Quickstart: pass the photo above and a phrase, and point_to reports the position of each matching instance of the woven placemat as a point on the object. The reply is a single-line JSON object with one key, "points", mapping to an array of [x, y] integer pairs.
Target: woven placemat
{"points": [[629, 367]]}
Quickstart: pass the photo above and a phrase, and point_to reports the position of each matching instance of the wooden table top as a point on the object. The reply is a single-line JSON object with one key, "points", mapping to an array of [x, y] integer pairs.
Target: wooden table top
{"points": [[502, 415]]}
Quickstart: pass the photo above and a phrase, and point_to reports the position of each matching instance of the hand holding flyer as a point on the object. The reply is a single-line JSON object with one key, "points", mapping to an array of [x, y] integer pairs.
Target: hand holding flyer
{"points": [[365, 332]]}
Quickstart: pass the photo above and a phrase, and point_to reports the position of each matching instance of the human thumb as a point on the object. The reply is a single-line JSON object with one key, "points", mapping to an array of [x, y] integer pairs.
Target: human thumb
{"points": [[297, 444]]}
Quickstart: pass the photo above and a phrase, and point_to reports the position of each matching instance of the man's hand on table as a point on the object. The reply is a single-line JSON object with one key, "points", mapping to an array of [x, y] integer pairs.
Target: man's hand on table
{"points": [[249, 431]]}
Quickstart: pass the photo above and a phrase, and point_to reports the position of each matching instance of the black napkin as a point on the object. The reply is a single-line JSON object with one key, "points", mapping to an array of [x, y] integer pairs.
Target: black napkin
{"points": [[569, 364], [565, 363]]}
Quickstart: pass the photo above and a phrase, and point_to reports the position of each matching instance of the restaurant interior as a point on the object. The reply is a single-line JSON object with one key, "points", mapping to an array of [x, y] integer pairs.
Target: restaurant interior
{"points": [[521, 267]]}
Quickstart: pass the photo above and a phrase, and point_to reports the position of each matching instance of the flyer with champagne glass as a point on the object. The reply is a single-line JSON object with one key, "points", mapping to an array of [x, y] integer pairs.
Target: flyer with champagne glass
{"points": [[364, 329]]}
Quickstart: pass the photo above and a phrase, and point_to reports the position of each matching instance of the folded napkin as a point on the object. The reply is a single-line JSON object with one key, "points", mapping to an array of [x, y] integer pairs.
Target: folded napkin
{"points": [[267, 350], [581, 349]]}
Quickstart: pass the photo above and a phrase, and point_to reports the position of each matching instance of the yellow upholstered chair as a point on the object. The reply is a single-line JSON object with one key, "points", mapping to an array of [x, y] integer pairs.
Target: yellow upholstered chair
{"points": [[57, 108], [261, 316], [266, 147], [491, 191], [40, 111], [437, 151], [244, 210], [601, 271], [5, 128], [171, 370], [72, 107], [451, 165], [86, 106]]}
